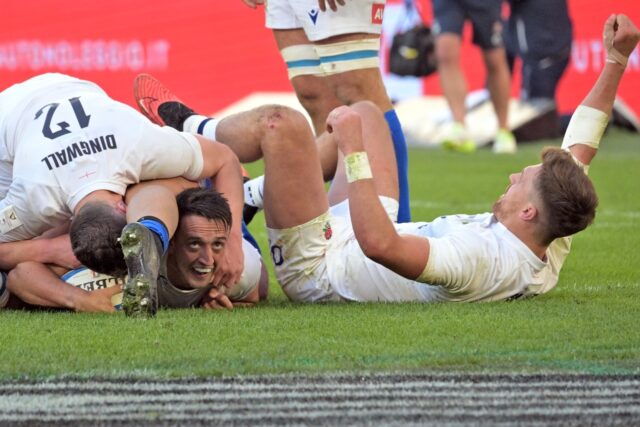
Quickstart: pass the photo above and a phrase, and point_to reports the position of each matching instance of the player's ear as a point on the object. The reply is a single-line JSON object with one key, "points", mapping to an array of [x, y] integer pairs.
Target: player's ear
{"points": [[529, 212]]}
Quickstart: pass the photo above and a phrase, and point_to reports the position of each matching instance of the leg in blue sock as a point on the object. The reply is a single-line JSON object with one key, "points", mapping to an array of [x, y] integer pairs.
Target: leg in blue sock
{"points": [[402, 160]]}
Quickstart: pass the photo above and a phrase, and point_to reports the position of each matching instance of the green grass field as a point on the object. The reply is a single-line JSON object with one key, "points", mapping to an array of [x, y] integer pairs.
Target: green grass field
{"points": [[590, 323]]}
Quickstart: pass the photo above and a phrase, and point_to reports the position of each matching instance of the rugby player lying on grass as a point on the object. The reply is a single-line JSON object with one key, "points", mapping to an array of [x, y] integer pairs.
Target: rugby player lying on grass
{"points": [[347, 246], [67, 150], [186, 274]]}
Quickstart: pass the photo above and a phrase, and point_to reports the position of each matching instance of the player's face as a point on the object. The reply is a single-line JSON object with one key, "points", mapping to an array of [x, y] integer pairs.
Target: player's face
{"points": [[517, 194], [195, 251]]}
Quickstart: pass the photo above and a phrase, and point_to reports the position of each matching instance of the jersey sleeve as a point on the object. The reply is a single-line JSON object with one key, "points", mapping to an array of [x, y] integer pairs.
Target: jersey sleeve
{"points": [[457, 262], [168, 153], [15, 223]]}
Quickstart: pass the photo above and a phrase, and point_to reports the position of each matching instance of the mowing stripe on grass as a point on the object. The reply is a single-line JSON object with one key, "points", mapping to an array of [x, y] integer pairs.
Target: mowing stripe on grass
{"points": [[426, 399]]}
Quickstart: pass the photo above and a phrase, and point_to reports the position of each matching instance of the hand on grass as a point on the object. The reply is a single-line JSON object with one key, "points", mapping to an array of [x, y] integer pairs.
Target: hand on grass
{"points": [[98, 300]]}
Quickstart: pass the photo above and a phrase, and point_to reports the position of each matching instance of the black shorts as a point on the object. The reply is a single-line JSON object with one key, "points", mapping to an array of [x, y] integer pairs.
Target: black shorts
{"points": [[485, 16]]}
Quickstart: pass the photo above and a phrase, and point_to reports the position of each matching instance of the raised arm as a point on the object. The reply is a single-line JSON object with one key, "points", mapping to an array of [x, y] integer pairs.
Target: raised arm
{"points": [[620, 37], [406, 255]]}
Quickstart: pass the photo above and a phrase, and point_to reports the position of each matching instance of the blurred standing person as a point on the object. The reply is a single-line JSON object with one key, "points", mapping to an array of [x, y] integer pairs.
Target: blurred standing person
{"points": [[331, 50], [540, 33], [485, 16]]}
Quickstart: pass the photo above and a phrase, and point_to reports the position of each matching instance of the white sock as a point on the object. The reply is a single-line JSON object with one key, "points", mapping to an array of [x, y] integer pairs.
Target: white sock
{"points": [[253, 191], [201, 125]]}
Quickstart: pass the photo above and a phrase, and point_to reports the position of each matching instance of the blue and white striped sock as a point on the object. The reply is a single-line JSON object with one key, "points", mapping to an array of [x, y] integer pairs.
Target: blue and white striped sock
{"points": [[201, 125]]}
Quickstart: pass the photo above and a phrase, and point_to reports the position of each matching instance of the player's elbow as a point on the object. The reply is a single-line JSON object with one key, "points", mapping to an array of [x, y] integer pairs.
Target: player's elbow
{"points": [[228, 156], [375, 246]]}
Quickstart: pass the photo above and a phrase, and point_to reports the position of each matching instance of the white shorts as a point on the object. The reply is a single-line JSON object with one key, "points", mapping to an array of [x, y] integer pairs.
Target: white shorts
{"points": [[357, 16], [300, 253]]}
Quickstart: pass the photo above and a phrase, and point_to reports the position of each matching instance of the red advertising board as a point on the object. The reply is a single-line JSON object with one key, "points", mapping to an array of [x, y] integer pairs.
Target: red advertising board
{"points": [[214, 52], [211, 52]]}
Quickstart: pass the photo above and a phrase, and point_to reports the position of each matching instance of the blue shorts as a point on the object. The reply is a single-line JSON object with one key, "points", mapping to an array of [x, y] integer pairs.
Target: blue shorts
{"points": [[485, 16]]}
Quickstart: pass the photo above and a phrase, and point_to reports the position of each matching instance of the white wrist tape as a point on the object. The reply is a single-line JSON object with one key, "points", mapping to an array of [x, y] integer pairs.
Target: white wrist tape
{"points": [[586, 127], [615, 57], [356, 166]]}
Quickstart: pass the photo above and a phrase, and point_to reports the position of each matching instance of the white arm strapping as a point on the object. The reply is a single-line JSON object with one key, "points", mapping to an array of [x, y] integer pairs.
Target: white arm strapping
{"points": [[586, 127]]}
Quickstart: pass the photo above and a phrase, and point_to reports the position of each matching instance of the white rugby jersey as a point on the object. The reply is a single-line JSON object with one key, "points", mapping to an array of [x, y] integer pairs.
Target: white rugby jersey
{"points": [[62, 138], [472, 258]]}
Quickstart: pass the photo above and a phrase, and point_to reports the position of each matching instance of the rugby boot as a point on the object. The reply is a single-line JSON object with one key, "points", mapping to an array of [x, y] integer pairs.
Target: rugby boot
{"points": [[505, 143], [158, 103], [142, 251], [456, 139]]}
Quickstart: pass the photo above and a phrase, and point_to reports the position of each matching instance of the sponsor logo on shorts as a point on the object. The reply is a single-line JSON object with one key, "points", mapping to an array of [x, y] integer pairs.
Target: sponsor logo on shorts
{"points": [[313, 14], [496, 35], [377, 11]]}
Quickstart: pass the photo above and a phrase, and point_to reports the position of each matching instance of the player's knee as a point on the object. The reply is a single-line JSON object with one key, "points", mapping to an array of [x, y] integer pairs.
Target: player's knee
{"points": [[17, 274], [447, 51], [281, 124], [13, 276]]}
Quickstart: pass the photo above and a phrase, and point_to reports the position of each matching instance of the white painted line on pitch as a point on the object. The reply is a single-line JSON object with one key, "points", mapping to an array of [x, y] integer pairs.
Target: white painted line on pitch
{"points": [[330, 383], [344, 399]]}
